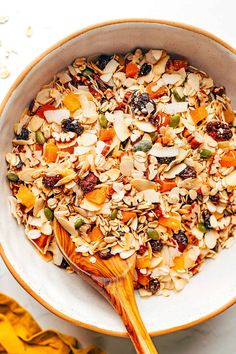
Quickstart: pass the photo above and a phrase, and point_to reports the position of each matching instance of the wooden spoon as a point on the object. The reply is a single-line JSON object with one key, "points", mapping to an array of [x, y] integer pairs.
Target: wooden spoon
{"points": [[113, 278]]}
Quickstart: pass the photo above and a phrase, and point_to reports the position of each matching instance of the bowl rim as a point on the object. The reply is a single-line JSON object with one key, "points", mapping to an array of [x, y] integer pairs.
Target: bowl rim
{"points": [[14, 86]]}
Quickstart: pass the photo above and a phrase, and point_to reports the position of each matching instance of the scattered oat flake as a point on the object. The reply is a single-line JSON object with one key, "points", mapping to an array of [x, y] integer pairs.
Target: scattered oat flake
{"points": [[29, 31], [4, 19], [4, 72]]}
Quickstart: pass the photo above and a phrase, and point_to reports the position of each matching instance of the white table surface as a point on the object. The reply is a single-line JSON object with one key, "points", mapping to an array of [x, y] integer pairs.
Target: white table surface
{"points": [[52, 20]]}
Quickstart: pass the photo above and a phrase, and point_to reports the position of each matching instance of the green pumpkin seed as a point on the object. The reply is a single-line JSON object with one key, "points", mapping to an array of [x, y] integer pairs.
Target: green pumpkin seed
{"points": [[177, 97], [205, 154], [152, 234], [201, 227], [114, 214], [12, 177], [174, 121], [143, 145], [103, 121], [87, 72], [49, 213], [78, 223], [40, 137]]}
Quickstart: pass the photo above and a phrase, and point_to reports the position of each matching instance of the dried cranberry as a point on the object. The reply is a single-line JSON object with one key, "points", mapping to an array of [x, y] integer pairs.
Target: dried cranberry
{"points": [[219, 91], [156, 245], [103, 60], [72, 125], [206, 218], [219, 131], [24, 134], [142, 249], [145, 69], [214, 198], [88, 183], [142, 104], [50, 181], [188, 172], [153, 286], [182, 240], [105, 254], [165, 160], [176, 64], [158, 211]]}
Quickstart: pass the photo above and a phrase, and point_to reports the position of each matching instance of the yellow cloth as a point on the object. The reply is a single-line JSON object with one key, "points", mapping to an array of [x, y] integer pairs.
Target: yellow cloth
{"points": [[20, 334]]}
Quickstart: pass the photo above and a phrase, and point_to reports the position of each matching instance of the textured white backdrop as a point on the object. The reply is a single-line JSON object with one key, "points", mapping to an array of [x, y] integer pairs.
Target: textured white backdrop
{"points": [[51, 21]]}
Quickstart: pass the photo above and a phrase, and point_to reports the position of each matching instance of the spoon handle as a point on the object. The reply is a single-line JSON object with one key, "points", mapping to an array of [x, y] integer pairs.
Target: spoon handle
{"points": [[121, 296]]}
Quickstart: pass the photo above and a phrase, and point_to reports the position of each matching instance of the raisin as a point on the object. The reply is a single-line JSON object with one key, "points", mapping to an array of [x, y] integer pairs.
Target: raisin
{"points": [[142, 249], [71, 125], [105, 254], [219, 91], [142, 104], [24, 134], [63, 264], [103, 60], [188, 172], [88, 183], [50, 181], [206, 218], [156, 245], [182, 240], [145, 69], [165, 160], [153, 286], [214, 198], [219, 131]]}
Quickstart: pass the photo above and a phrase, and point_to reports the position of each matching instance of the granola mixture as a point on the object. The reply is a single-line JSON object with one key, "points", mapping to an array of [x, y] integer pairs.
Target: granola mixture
{"points": [[133, 153]]}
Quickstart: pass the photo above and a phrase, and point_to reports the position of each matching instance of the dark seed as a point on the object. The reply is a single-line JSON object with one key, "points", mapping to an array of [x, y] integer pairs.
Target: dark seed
{"points": [[165, 160], [219, 131], [145, 69], [217, 246], [88, 183], [188, 172], [63, 264], [139, 104], [227, 212], [156, 245], [105, 254], [214, 198], [182, 240], [50, 181], [206, 218], [24, 134], [19, 165], [153, 286], [71, 125], [103, 60]]}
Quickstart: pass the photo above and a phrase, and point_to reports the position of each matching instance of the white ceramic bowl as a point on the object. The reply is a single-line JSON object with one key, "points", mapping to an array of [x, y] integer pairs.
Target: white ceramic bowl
{"points": [[68, 296]]}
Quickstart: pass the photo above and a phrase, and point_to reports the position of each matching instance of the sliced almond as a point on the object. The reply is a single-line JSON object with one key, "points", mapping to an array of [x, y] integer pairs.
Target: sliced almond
{"points": [[230, 180], [113, 174], [160, 67], [87, 205], [175, 107], [81, 150], [175, 171], [66, 224], [26, 175], [120, 127], [210, 238], [87, 139], [143, 184], [35, 123]]}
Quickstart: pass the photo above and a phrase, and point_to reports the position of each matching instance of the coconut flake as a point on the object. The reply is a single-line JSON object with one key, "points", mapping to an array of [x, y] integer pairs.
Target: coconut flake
{"points": [[175, 107], [143, 184], [158, 151], [145, 126], [151, 196], [170, 79], [57, 116]]}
